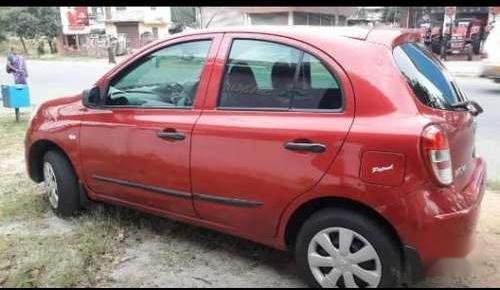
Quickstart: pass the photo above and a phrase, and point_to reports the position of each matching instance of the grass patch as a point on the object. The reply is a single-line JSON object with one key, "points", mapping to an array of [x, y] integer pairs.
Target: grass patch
{"points": [[12, 132], [78, 258], [20, 198]]}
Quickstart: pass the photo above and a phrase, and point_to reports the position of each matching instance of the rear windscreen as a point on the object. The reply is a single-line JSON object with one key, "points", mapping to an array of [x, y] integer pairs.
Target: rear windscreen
{"points": [[428, 78]]}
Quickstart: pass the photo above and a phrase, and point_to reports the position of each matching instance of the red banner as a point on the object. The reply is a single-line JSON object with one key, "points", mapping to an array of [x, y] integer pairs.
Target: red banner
{"points": [[78, 18]]}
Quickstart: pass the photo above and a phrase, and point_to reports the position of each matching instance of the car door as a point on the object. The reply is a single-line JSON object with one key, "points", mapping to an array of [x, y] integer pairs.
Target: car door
{"points": [[135, 146], [276, 114]]}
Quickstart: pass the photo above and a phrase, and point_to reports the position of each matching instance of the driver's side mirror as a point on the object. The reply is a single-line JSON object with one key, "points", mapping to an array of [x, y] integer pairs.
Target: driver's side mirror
{"points": [[474, 108], [92, 97]]}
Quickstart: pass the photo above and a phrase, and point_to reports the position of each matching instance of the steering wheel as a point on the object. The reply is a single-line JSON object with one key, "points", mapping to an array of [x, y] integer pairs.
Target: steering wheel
{"points": [[173, 91], [176, 87], [120, 101]]}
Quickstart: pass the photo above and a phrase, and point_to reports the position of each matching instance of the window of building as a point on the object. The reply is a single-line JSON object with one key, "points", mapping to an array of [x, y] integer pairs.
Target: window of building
{"points": [[121, 8], [299, 18], [342, 20], [304, 18], [280, 18], [155, 32], [314, 19], [153, 8], [327, 20]]}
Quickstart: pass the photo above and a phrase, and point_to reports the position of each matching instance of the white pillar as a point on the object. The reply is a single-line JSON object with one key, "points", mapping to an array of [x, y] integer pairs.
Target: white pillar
{"points": [[246, 18], [290, 18]]}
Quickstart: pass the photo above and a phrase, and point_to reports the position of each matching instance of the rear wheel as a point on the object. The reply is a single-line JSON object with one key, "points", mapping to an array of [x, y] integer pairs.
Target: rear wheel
{"points": [[61, 184], [341, 248]]}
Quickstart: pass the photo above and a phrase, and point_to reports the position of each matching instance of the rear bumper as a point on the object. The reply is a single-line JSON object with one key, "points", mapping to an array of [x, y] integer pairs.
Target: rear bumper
{"points": [[443, 221]]}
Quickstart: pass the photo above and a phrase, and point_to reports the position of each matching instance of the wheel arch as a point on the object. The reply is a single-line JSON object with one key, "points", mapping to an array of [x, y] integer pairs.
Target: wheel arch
{"points": [[35, 157], [305, 210]]}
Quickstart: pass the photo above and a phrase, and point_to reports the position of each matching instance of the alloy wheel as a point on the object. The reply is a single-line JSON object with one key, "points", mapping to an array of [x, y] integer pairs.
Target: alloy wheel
{"points": [[50, 183]]}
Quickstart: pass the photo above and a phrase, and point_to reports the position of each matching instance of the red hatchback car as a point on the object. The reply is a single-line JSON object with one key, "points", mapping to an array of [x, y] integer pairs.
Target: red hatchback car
{"points": [[352, 148]]}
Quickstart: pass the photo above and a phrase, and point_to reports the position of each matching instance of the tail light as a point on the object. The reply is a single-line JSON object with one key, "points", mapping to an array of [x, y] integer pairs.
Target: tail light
{"points": [[437, 152]]}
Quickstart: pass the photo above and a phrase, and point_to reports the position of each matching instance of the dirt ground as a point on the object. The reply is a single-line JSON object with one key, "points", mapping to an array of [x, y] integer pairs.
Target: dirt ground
{"points": [[116, 247]]}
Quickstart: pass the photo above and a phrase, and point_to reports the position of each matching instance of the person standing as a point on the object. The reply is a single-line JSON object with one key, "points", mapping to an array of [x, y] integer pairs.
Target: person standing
{"points": [[17, 66]]}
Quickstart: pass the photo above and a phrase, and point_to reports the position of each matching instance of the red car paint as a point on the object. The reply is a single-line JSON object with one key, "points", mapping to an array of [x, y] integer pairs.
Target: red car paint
{"points": [[239, 155]]}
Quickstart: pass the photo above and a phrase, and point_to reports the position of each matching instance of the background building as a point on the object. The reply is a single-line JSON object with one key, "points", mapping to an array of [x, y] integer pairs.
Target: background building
{"points": [[229, 16], [88, 30], [139, 24]]}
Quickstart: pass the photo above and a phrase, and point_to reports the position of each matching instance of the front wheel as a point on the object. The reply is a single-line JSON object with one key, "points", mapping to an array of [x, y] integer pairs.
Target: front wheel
{"points": [[342, 248], [61, 184]]}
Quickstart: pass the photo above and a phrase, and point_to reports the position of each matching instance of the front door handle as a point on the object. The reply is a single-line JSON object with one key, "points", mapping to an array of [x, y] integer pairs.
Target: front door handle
{"points": [[171, 135], [305, 146]]}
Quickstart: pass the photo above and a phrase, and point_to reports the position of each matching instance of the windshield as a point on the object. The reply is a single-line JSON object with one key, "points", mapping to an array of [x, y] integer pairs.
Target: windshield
{"points": [[427, 76]]}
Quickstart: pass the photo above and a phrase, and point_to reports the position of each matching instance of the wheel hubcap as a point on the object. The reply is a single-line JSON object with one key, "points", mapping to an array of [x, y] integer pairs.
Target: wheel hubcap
{"points": [[339, 257], [50, 184]]}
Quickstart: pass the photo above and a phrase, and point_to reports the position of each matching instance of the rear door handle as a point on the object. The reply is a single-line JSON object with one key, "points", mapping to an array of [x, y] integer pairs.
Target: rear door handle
{"points": [[305, 146], [171, 135]]}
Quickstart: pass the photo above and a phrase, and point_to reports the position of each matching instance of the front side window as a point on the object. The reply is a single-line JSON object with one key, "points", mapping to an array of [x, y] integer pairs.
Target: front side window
{"points": [[262, 74], [166, 78], [426, 76]]}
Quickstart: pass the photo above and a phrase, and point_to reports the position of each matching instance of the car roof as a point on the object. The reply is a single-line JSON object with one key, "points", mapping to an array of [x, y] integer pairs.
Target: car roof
{"points": [[381, 35]]}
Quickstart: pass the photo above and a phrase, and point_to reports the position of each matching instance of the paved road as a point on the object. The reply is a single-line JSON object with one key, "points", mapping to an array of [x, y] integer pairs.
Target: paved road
{"points": [[51, 79]]}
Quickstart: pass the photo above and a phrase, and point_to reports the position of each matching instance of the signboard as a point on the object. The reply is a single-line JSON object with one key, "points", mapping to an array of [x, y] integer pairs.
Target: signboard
{"points": [[75, 20]]}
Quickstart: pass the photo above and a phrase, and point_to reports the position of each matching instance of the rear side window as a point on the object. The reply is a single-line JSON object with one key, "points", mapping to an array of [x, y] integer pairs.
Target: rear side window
{"points": [[426, 76], [269, 75]]}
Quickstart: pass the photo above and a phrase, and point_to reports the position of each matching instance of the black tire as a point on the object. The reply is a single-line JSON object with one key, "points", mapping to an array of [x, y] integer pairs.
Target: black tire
{"points": [[385, 245], [68, 203]]}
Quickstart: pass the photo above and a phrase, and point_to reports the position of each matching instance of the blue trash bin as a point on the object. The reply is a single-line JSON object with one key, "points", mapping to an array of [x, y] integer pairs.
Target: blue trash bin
{"points": [[15, 96]]}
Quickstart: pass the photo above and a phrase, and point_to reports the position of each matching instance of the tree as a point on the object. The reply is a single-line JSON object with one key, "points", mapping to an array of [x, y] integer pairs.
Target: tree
{"points": [[49, 24], [209, 16], [19, 21], [193, 16], [183, 16], [3, 24]]}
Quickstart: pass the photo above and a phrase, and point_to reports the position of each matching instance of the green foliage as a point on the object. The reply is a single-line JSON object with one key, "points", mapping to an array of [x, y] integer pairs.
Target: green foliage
{"points": [[185, 16], [30, 22], [20, 21], [48, 22]]}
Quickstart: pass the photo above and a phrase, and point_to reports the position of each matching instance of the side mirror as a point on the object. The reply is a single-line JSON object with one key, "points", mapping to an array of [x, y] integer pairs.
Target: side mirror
{"points": [[474, 108], [92, 97]]}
